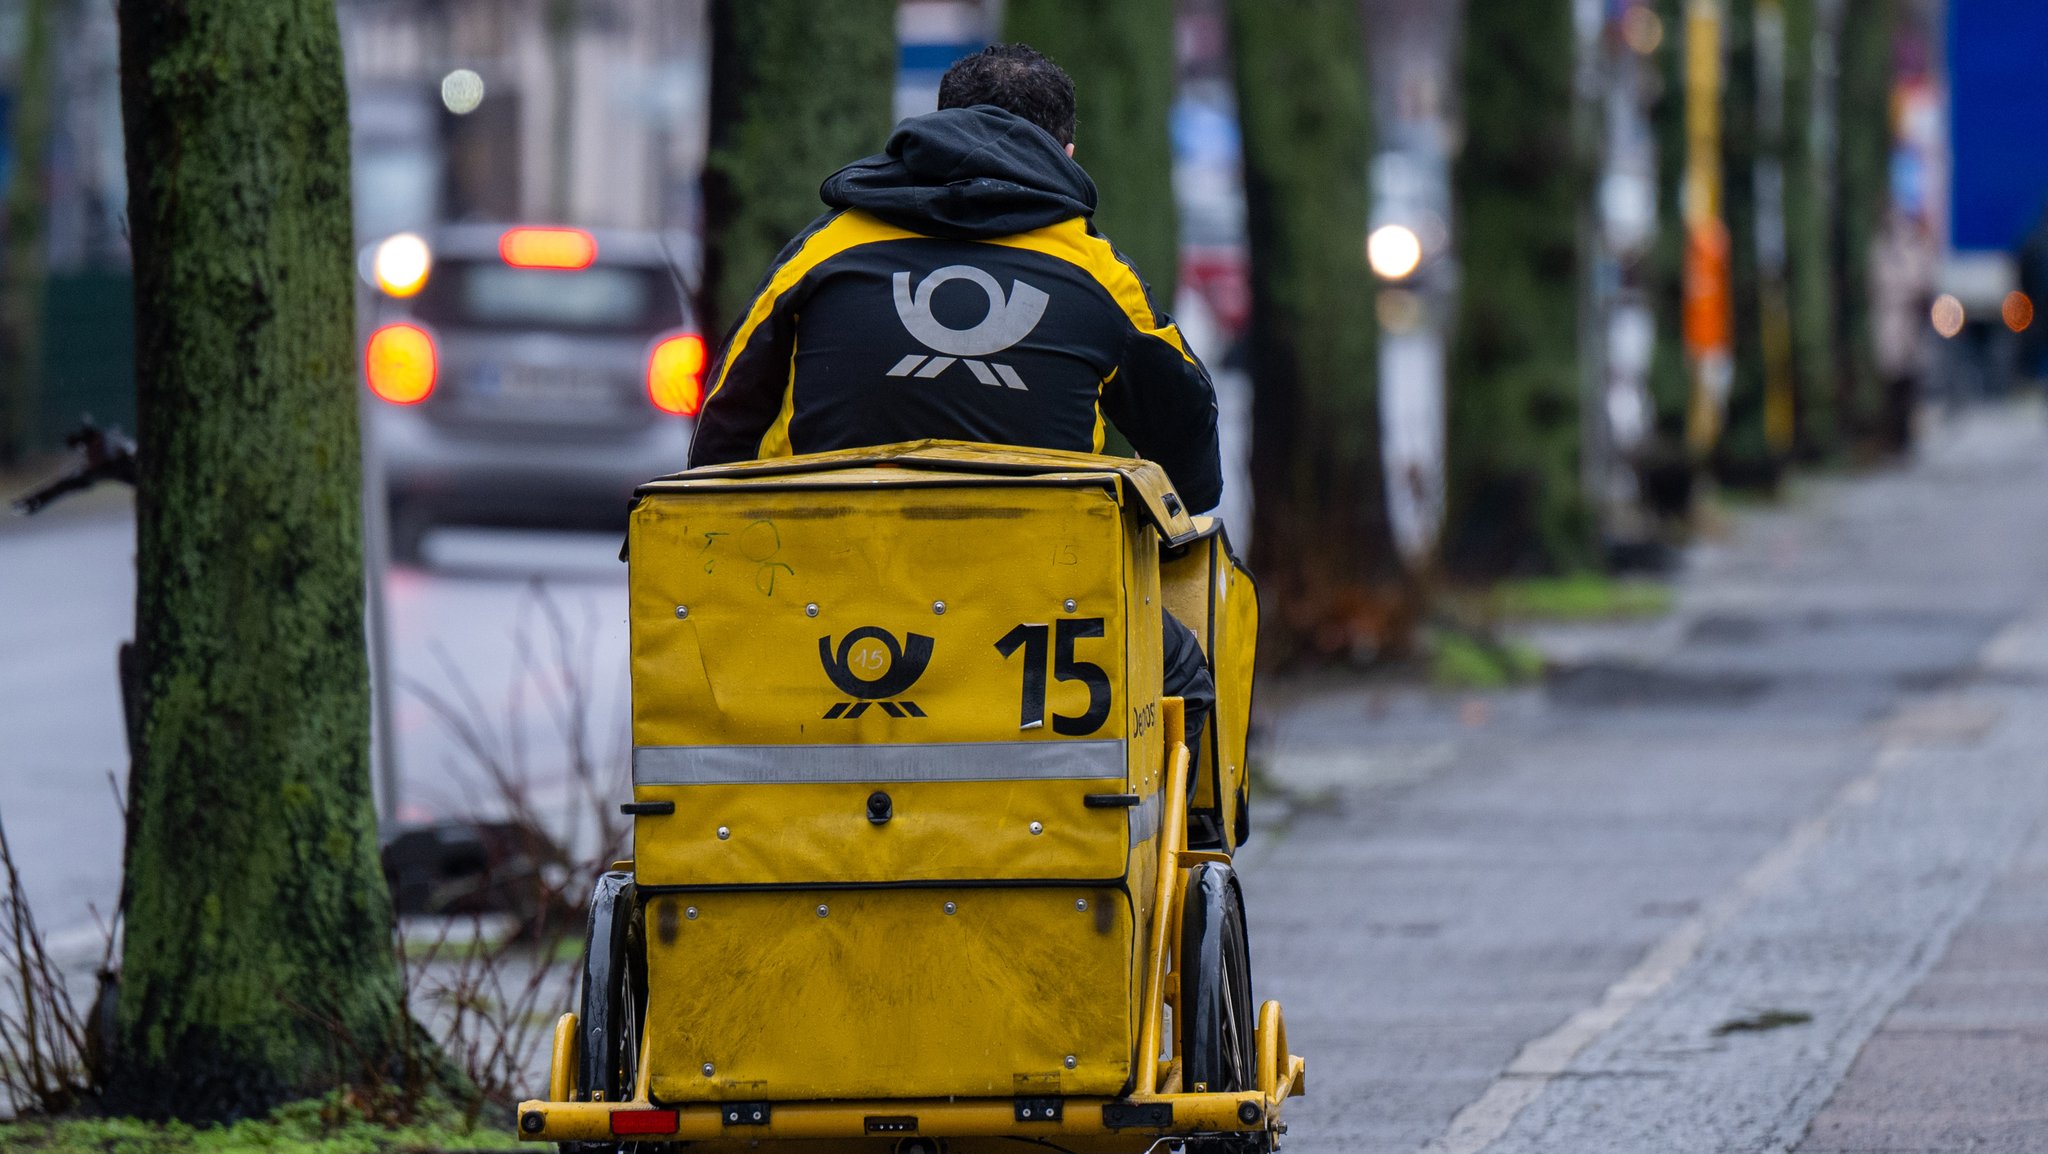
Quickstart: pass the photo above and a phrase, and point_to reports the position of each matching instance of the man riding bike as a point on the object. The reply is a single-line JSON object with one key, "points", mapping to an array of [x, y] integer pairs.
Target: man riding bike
{"points": [[958, 289]]}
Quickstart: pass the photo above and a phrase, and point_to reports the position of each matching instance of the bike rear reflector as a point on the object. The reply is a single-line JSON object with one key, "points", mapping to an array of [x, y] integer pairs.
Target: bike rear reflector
{"points": [[644, 1121], [400, 364], [675, 374], [558, 248]]}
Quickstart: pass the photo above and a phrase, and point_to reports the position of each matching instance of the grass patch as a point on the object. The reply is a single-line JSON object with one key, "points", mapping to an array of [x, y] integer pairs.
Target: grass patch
{"points": [[314, 1127], [1462, 661], [1581, 597]]}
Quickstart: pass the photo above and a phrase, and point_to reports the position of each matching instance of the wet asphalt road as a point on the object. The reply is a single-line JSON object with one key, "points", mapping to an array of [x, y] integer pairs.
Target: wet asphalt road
{"points": [[1766, 874]]}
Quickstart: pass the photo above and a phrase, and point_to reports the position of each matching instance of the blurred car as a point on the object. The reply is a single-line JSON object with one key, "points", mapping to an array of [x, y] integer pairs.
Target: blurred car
{"points": [[526, 375]]}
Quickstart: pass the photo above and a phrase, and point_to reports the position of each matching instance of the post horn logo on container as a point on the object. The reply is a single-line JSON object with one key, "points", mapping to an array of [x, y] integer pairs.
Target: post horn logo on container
{"points": [[1008, 321], [895, 667]]}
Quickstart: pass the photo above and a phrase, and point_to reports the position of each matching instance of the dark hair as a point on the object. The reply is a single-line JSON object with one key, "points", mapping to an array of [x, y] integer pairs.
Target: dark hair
{"points": [[1015, 78]]}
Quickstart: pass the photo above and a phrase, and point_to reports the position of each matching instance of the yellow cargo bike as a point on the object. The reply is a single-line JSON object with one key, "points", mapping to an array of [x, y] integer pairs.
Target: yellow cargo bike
{"points": [[918, 866]]}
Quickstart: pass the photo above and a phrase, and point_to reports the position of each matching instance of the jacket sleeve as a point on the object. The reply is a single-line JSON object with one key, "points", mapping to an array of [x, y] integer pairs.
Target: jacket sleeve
{"points": [[746, 386], [1161, 399]]}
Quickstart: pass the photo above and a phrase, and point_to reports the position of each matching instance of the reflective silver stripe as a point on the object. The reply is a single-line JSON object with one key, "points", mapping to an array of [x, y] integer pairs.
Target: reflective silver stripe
{"points": [[1145, 818], [799, 764]]}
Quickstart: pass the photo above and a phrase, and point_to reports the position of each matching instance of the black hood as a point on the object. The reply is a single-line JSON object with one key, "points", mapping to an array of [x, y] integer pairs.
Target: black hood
{"points": [[966, 173]]}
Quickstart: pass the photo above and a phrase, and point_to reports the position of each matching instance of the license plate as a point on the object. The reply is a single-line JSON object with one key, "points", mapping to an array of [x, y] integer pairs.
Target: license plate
{"points": [[545, 387]]}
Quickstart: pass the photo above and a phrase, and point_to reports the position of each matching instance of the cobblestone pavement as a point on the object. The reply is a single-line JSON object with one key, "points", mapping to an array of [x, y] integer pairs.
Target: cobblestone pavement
{"points": [[1753, 877]]}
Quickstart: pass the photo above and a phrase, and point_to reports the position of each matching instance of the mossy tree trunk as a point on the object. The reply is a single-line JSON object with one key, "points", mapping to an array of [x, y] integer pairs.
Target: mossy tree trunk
{"points": [[1322, 544], [1121, 57], [1810, 41], [1670, 382], [1741, 456], [1862, 160], [1516, 503], [22, 264], [798, 89], [257, 964]]}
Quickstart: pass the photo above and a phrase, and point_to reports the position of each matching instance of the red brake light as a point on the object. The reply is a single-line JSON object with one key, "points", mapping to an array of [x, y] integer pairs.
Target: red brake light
{"points": [[561, 248], [644, 1121], [675, 374], [400, 363]]}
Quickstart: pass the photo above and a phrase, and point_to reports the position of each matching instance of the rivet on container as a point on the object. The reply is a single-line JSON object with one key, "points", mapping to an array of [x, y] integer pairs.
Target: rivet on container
{"points": [[1070, 1061], [691, 913], [1037, 828], [724, 833], [811, 610], [939, 607], [1068, 605], [682, 611], [951, 909], [824, 910], [708, 1069], [1081, 905]]}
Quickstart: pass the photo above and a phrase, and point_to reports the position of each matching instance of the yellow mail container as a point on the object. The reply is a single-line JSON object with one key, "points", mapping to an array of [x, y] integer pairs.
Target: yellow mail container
{"points": [[1211, 591], [905, 704]]}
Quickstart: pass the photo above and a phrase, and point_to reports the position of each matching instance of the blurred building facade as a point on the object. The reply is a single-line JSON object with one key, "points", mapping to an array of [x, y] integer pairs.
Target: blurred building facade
{"points": [[592, 111]]}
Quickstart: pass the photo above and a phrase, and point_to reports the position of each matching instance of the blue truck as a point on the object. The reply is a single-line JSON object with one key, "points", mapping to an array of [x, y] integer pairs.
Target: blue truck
{"points": [[1998, 185]]}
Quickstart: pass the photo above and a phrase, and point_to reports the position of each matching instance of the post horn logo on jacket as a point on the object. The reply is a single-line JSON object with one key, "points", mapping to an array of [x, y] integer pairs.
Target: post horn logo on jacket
{"points": [[1008, 321], [957, 288]]}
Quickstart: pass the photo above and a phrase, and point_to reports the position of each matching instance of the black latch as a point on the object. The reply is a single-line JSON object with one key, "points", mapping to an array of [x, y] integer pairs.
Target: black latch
{"points": [[891, 1123], [1172, 503], [880, 808], [1110, 800], [648, 808], [747, 1113], [1137, 1115], [1038, 1109]]}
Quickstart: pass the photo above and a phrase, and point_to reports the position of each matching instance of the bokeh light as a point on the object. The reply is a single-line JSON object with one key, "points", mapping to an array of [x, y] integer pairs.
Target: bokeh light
{"points": [[675, 371], [1642, 30], [1947, 314], [402, 264], [462, 90], [1393, 251], [2017, 311], [1399, 310], [401, 363]]}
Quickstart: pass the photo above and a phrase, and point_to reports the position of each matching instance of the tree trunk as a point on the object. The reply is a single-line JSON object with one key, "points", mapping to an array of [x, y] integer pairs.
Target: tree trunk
{"points": [[257, 963], [1670, 385], [1322, 546], [1666, 468], [1810, 38], [1121, 57], [1516, 502], [22, 271], [1742, 457], [797, 90], [1863, 159]]}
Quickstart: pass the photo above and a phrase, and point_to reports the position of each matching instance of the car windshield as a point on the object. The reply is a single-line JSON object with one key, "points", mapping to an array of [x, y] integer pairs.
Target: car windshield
{"points": [[602, 298]]}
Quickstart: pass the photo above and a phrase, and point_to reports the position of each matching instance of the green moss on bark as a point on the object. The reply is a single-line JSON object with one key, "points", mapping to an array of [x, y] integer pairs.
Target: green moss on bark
{"points": [[1121, 57], [256, 965], [1322, 546], [798, 89], [1809, 215], [1742, 455], [1520, 182], [1863, 157], [1670, 383]]}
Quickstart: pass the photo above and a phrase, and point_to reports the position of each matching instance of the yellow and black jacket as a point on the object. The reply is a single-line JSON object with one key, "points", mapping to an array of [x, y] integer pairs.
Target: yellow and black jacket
{"points": [[958, 289]]}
